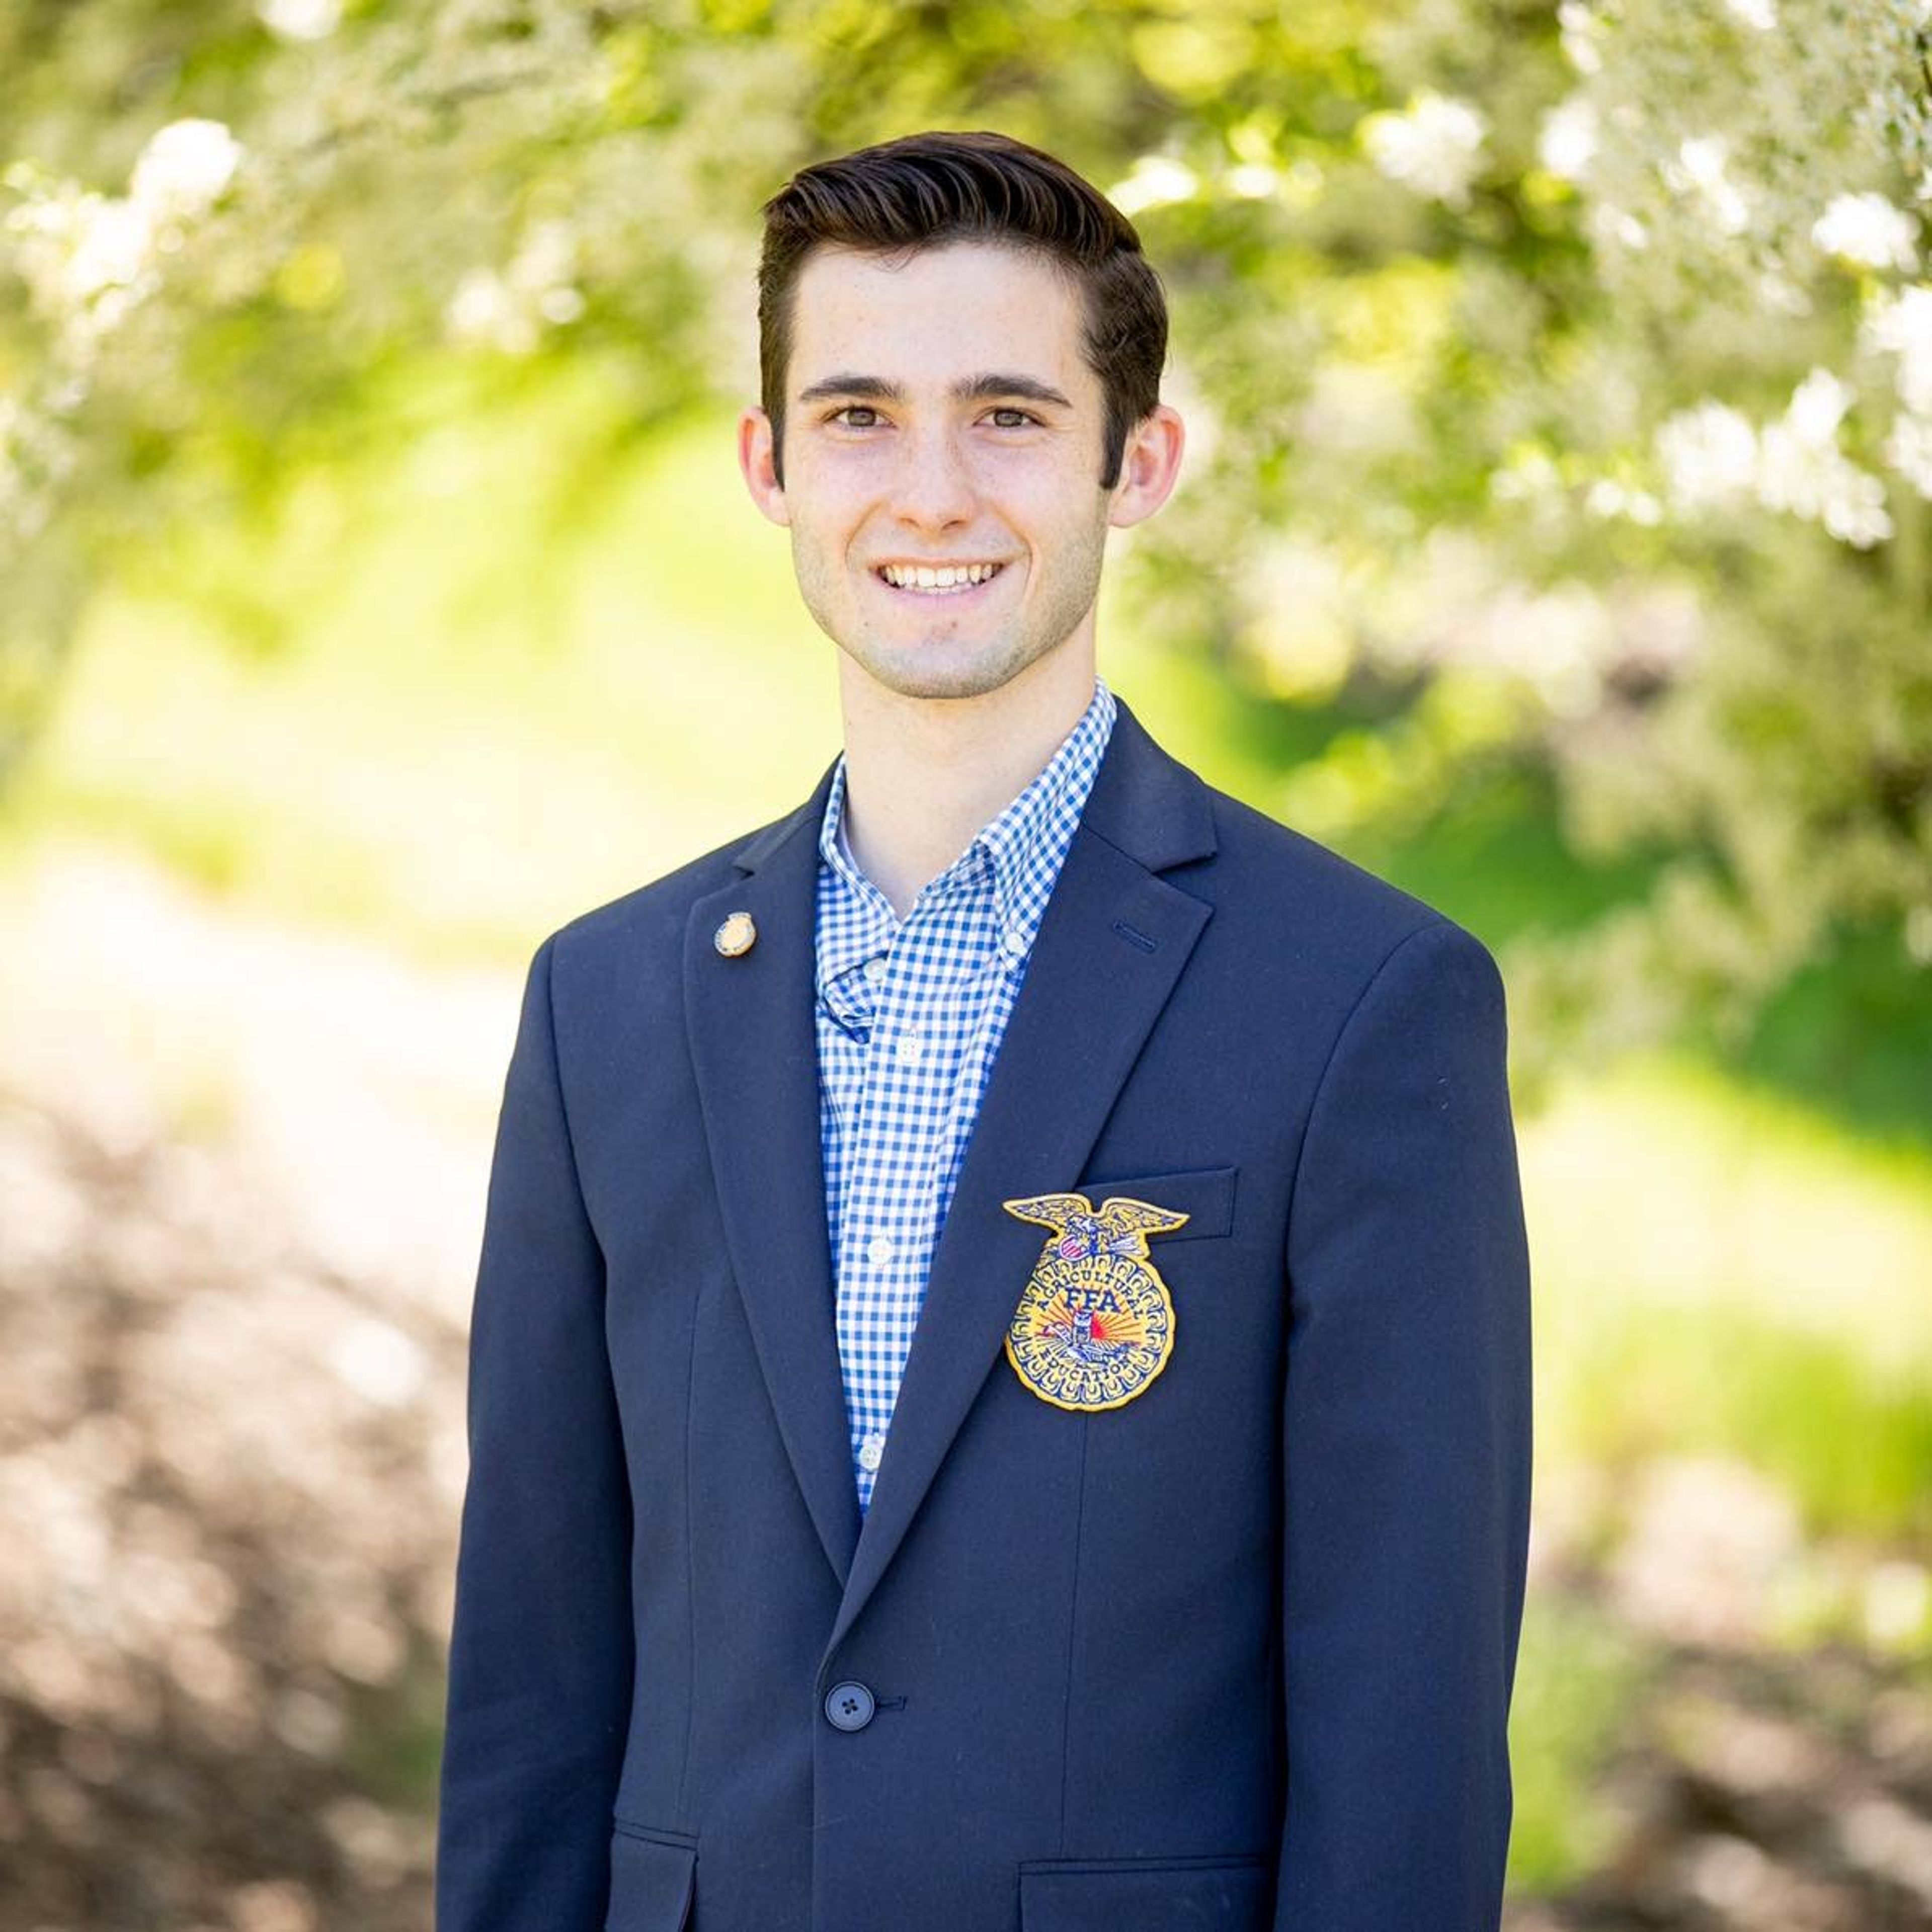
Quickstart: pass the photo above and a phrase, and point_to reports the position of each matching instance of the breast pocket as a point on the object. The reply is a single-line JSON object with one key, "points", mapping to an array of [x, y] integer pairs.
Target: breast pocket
{"points": [[1205, 1195], [653, 1874], [1198, 1895]]}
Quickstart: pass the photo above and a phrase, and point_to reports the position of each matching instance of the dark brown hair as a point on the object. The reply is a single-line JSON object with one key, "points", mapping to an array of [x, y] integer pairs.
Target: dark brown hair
{"points": [[923, 190]]}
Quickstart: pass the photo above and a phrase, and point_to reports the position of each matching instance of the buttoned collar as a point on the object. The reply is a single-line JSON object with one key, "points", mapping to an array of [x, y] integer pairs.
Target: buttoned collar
{"points": [[1015, 856]]}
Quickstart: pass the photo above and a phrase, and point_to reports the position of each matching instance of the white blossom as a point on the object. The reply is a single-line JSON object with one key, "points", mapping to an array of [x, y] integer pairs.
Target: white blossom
{"points": [[1433, 146], [1854, 511], [1606, 498], [1567, 142], [109, 244], [79, 254], [1779, 294], [1761, 14], [1155, 181], [1698, 170], [87, 259], [1817, 407], [1900, 325], [1528, 476], [1908, 450], [300, 20], [184, 169], [509, 309], [485, 309], [1610, 226], [1818, 482], [1712, 457], [1709, 455], [1869, 230], [1582, 33], [1252, 181], [1801, 468]]}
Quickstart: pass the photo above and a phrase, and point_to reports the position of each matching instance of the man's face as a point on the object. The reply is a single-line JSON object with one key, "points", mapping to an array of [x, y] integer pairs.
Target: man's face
{"points": [[942, 450]]}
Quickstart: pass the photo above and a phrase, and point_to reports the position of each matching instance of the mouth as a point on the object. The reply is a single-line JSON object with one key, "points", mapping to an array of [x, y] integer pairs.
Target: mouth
{"points": [[942, 580]]}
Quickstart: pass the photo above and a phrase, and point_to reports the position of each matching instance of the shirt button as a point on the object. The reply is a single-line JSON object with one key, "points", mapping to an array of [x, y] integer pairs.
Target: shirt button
{"points": [[872, 1452], [875, 968], [908, 1049], [1015, 942], [880, 1250]]}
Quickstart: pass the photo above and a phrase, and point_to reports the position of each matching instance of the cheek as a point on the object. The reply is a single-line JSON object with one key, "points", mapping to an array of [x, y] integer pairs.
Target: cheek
{"points": [[838, 470], [1064, 539], [830, 491], [1055, 502]]}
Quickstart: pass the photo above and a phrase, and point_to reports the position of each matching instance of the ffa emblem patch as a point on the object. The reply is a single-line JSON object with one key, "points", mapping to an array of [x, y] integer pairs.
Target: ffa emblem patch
{"points": [[1095, 1325]]}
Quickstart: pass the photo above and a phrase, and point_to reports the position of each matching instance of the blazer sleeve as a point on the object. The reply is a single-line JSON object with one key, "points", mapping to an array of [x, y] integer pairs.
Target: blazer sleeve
{"points": [[1406, 1459], [541, 1649]]}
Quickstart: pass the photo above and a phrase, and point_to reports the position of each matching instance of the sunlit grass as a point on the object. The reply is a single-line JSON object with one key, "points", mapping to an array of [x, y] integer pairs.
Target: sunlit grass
{"points": [[1667, 1186], [1720, 1270], [1576, 1674], [1850, 1442]]}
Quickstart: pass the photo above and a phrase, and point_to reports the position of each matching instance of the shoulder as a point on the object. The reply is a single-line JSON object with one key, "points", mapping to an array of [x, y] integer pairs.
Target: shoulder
{"points": [[1338, 919], [1386, 988], [1277, 895]]}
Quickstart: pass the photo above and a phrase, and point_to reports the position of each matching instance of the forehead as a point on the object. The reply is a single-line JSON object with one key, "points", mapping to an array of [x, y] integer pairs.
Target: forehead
{"points": [[935, 316]]}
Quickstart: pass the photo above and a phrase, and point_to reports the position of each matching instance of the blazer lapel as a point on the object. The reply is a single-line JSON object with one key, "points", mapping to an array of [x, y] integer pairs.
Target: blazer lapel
{"points": [[754, 1042], [1113, 942]]}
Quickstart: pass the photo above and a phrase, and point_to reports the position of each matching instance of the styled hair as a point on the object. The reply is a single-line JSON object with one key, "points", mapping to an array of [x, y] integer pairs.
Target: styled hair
{"points": [[924, 190]]}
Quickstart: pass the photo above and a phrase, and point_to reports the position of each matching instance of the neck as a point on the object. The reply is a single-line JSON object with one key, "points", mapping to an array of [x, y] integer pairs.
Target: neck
{"points": [[924, 774]]}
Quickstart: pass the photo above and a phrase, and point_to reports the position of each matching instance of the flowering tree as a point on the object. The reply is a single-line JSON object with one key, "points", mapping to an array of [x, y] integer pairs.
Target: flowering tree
{"points": [[1561, 380]]}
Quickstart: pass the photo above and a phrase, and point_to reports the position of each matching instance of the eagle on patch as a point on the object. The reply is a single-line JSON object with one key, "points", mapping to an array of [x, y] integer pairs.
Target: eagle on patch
{"points": [[1095, 1323]]}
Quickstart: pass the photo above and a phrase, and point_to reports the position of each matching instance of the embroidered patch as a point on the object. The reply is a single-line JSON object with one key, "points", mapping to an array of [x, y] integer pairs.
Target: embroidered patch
{"points": [[1096, 1324]]}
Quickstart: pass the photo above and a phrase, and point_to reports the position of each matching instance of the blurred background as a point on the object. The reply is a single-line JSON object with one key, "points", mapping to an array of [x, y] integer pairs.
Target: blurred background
{"points": [[376, 591]]}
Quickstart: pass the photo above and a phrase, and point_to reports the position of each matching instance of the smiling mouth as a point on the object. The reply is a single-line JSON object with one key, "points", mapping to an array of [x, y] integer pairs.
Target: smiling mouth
{"points": [[938, 580]]}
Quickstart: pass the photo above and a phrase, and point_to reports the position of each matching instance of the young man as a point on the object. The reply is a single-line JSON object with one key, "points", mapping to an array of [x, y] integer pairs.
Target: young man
{"points": [[1000, 1396]]}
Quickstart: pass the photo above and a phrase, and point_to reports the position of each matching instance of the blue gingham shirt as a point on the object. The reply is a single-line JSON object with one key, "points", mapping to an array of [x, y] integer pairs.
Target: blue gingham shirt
{"points": [[910, 1015]]}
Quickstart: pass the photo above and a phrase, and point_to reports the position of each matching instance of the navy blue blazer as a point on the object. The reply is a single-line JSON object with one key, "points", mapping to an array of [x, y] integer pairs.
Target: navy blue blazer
{"points": [[1234, 1656]]}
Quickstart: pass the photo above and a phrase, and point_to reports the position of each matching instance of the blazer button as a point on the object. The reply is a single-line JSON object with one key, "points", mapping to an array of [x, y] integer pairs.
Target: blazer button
{"points": [[849, 1707]]}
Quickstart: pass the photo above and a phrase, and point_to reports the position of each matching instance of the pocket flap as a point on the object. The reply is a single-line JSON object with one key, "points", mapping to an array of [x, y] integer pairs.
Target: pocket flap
{"points": [[1205, 1195], [1203, 1895], [652, 1878]]}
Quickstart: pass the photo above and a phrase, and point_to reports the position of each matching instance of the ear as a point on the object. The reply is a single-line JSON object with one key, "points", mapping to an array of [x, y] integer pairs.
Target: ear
{"points": [[1150, 465], [757, 459]]}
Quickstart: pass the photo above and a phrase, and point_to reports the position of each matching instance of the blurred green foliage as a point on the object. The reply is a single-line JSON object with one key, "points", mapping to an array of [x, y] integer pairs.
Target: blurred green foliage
{"points": [[1561, 380]]}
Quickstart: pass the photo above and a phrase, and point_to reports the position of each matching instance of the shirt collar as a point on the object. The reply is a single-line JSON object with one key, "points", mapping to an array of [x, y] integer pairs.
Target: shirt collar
{"points": [[1024, 844], [1027, 842]]}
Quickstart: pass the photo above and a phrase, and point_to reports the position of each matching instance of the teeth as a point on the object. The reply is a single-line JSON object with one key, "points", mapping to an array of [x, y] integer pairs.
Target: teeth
{"points": [[937, 577]]}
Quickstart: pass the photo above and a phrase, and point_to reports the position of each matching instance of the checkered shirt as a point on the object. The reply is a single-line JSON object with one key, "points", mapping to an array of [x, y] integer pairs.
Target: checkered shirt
{"points": [[909, 1018]]}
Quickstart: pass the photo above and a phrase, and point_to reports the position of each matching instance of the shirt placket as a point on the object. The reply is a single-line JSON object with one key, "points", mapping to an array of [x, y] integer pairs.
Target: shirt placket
{"points": [[908, 1100]]}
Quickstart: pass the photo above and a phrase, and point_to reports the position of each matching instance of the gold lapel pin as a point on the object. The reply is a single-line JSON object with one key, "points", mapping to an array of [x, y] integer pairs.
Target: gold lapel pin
{"points": [[737, 934]]}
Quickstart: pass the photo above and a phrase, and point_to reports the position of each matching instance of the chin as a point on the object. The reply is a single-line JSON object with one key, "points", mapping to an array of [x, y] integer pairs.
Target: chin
{"points": [[939, 674]]}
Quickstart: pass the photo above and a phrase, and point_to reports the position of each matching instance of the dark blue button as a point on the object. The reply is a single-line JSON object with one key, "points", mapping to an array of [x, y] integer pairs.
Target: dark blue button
{"points": [[849, 1707]]}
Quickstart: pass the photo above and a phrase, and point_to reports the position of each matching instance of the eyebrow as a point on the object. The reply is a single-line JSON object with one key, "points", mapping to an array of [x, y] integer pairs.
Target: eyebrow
{"points": [[973, 388]]}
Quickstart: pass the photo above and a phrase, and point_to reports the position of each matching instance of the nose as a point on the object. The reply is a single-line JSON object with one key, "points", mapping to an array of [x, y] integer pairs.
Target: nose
{"points": [[933, 489]]}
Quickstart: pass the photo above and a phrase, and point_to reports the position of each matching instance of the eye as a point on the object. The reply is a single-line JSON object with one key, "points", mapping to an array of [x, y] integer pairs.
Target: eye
{"points": [[1006, 417], [856, 416]]}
